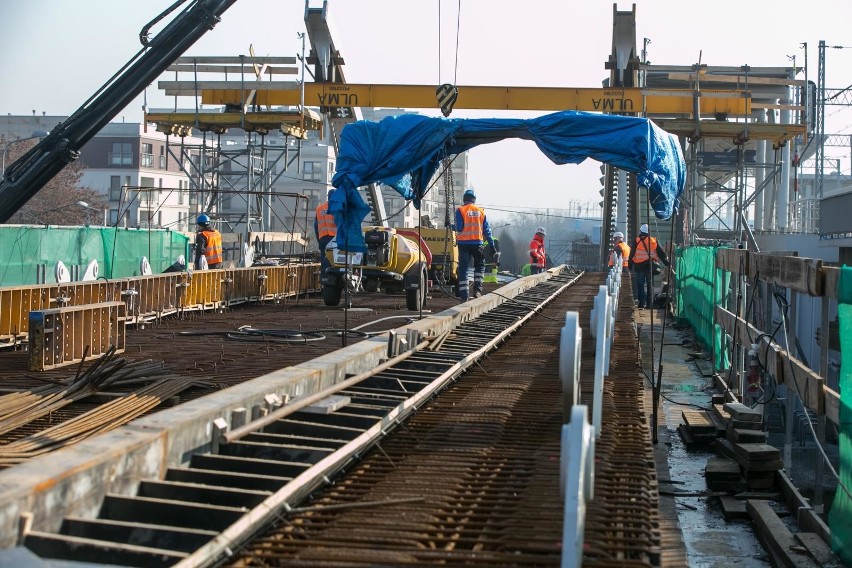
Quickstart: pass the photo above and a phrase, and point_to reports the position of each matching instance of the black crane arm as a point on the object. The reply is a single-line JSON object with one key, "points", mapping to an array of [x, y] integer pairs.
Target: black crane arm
{"points": [[33, 170]]}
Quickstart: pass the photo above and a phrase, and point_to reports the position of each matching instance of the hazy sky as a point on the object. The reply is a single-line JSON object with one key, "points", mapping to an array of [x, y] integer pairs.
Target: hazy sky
{"points": [[56, 53]]}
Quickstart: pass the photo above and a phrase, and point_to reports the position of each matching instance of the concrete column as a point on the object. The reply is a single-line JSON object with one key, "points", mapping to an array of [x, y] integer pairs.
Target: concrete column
{"points": [[759, 174], [784, 187], [772, 188]]}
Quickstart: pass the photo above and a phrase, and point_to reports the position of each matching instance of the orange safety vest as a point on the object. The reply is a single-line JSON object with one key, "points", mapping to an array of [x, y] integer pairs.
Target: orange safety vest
{"points": [[625, 253], [474, 218], [213, 250], [537, 255], [325, 222], [646, 251]]}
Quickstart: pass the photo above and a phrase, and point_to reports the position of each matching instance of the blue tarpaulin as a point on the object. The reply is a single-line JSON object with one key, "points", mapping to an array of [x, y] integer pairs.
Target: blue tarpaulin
{"points": [[405, 151]]}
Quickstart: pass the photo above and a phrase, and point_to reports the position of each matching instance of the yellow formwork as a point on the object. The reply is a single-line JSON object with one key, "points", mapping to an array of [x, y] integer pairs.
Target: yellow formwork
{"points": [[158, 295], [64, 336]]}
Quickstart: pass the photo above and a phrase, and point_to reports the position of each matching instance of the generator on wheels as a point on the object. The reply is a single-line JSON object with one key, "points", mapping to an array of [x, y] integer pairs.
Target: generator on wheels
{"points": [[396, 260]]}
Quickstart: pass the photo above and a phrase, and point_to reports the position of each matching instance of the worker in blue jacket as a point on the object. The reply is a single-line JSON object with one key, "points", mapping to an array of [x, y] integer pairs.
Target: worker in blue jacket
{"points": [[472, 230]]}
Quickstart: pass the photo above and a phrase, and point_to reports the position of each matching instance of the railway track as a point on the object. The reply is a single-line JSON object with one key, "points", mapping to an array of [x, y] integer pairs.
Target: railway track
{"points": [[471, 478]]}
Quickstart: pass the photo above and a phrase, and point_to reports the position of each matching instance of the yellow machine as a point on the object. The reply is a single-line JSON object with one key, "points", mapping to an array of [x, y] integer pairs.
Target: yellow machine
{"points": [[445, 254], [394, 262]]}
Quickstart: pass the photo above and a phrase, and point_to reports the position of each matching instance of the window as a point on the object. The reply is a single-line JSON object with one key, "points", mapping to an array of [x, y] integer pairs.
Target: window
{"points": [[113, 217], [146, 197], [115, 188], [147, 155], [330, 170], [121, 154], [312, 171], [180, 191]]}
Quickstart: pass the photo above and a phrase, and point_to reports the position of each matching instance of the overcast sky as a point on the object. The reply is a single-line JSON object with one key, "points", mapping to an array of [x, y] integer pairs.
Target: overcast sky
{"points": [[56, 53]]}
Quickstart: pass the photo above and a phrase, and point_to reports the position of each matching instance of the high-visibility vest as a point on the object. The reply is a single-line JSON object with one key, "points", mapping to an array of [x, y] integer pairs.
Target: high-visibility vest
{"points": [[474, 218], [646, 248], [213, 250], [625, 253], [325, 222], [537, 254]]}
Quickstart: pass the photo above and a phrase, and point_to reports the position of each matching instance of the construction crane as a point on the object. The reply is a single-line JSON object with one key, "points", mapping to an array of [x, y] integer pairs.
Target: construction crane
{"points": [[26, 176]]}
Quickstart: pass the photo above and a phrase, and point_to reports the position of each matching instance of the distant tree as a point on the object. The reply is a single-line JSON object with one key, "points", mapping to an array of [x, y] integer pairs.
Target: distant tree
{"points": [[56, 202]]}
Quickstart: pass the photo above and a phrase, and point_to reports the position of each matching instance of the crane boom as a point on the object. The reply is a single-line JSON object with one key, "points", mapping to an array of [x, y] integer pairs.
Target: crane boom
{"points": [[26, 176]]}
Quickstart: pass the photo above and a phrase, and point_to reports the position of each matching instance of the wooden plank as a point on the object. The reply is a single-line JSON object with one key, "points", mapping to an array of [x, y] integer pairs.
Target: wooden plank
{"points": [[232, 69], [778, 539], [800, 274], [831, 276], [832, 404], [743, 435], [698, 422], [818, 548], [733, 260], [732, 508], [742, 80], [236, 60], [752, 452], [739, 411]]}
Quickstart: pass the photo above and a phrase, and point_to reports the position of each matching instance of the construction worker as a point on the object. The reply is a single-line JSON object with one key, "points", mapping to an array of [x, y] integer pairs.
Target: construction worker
{"points": [[621, 251], [472, 230], [208, 244], [641, 261], [538, 258], [324, 229]]}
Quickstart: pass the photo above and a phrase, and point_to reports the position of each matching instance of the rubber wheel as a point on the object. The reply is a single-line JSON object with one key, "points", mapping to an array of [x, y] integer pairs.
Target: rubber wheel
{"points": [[415, 299], [331, 295]]}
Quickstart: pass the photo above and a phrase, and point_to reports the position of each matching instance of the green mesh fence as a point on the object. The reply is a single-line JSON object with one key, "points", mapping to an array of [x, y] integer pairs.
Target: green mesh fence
{"points": [[118, 251], [699, 287], [841, 509]]}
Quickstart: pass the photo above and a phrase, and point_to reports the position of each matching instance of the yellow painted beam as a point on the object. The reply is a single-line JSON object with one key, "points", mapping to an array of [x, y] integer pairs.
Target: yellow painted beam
{"points": [[653, 102]]}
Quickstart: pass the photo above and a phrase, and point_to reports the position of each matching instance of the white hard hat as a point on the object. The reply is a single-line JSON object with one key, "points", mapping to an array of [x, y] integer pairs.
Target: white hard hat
{"points": [[618, 235], [541, 231], [643, 228]]}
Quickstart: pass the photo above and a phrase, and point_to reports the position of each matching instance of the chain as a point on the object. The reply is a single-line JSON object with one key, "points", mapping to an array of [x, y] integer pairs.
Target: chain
{"points": [[449, 210]]}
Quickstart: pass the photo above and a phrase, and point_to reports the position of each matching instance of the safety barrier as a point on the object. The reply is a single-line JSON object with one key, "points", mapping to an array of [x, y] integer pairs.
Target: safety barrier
{"points": [[147, 297], [64, 336]]}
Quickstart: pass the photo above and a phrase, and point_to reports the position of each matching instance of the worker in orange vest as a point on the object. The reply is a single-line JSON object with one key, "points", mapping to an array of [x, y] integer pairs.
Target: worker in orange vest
{"points": [[324, 229], [641, 261], [208, 244], [538, 258], [620, 250], [472, 230]]}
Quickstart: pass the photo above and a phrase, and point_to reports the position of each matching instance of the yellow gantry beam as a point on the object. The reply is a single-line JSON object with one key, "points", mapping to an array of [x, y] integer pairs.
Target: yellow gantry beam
{"points": [[669, 102]]}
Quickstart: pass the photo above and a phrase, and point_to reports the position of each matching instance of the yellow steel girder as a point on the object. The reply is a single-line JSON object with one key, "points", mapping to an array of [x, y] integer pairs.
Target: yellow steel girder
{"points": [[632, 100]]}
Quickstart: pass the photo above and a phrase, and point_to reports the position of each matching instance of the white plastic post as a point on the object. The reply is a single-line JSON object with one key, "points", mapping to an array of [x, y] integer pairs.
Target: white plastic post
{"points": [[569, 362], [576, 483], [600, 323]]}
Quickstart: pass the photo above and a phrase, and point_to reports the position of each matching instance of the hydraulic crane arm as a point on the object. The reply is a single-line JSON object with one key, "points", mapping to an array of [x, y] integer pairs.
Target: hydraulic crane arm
{"points": [[33, 170]]}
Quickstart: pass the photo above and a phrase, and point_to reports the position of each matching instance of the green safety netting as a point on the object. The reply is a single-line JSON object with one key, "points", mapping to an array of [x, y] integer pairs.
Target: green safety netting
{"points": [[118, 251], [699, 287], [841, 509]]}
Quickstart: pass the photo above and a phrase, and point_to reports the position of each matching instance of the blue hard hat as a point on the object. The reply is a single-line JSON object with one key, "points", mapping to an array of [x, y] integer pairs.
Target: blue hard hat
{"points": [[469, 195], [203, 219]]}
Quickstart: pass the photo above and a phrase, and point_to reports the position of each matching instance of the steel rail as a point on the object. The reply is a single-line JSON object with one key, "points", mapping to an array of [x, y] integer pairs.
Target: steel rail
{"points": [[249, 524]]}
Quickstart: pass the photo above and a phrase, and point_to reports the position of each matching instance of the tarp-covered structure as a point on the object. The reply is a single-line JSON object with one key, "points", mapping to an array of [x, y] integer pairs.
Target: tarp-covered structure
{"points": [[405, 151]]}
